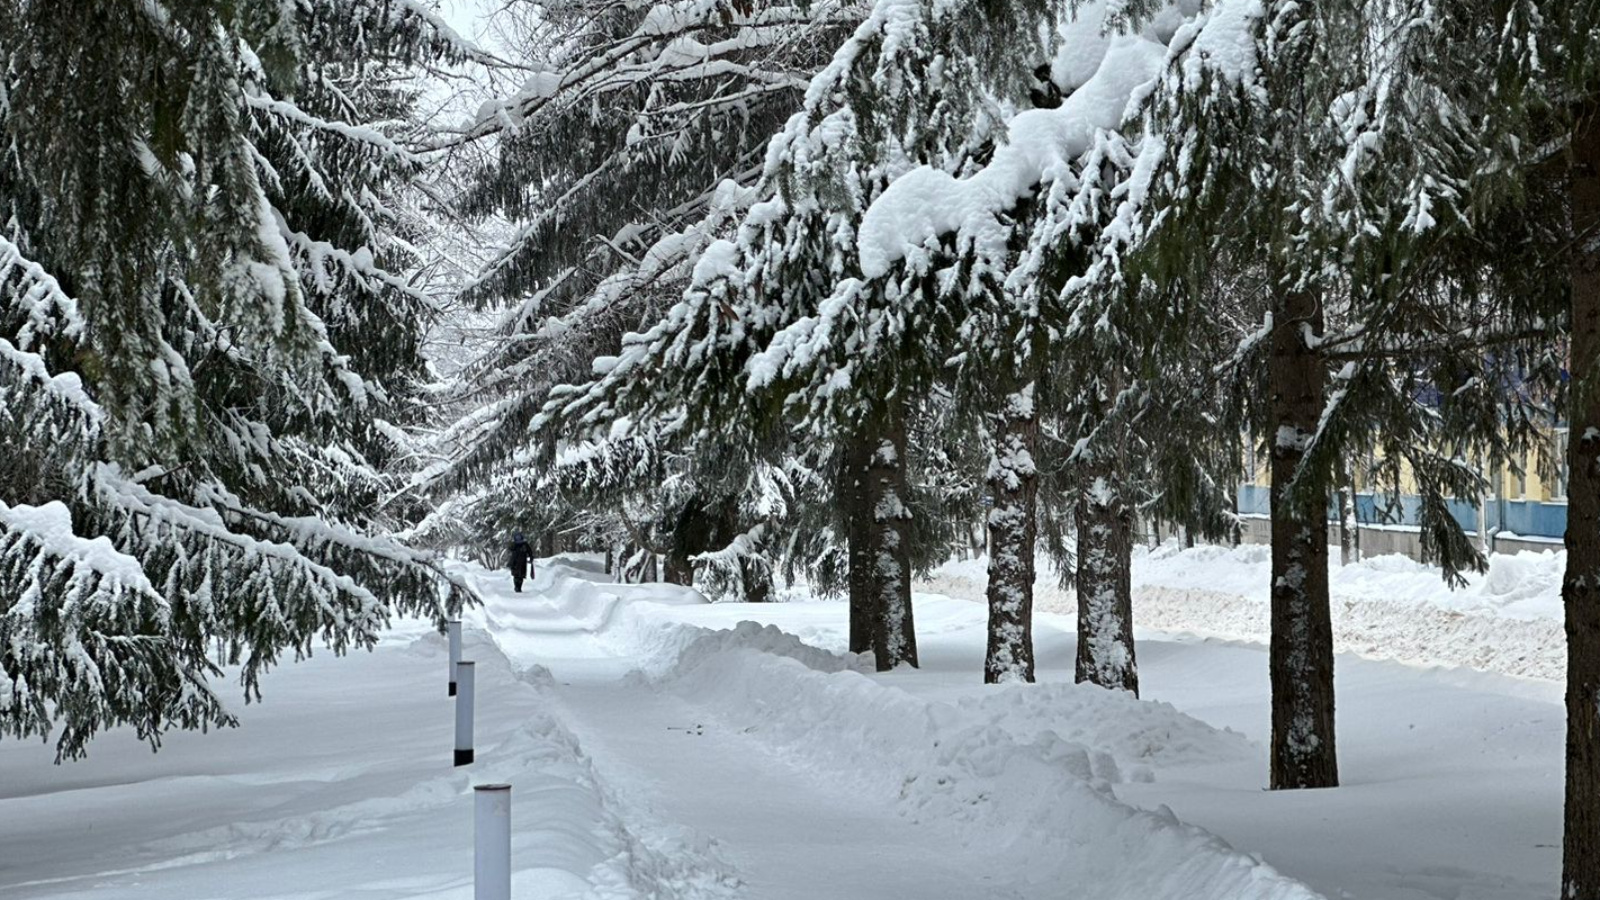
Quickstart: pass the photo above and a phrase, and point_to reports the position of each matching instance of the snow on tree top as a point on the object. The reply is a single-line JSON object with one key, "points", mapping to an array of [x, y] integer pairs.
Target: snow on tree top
{"points": [[927, 203]]}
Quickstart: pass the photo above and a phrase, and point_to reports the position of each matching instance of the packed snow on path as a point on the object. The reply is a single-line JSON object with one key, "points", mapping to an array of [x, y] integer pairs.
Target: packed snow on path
{"points": [[660, 746]]}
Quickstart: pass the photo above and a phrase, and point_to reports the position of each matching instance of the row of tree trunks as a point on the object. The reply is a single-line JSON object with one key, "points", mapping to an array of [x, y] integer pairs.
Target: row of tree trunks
{"points": [[1013, 530], [1580, 586], [1105, 572], [1301, 657]]}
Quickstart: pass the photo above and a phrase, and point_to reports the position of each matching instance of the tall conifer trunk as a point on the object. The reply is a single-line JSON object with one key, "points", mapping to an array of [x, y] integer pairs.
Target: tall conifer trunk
{"points": [[1013, 529], [678, 569], [1347, 519], [547, 537], [1303, 751], [1105, 573], [894, 639], [1580, 587], [757, 580], [857, 503]]}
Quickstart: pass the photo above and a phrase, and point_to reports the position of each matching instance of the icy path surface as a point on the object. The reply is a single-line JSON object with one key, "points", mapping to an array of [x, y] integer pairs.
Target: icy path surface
{"points": [[660, 749]]}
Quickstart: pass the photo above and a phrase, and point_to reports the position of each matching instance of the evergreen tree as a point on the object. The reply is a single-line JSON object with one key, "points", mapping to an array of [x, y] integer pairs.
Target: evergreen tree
{"points": [[205, 348], [1278, 131], [610, 161], [1538, 118]]}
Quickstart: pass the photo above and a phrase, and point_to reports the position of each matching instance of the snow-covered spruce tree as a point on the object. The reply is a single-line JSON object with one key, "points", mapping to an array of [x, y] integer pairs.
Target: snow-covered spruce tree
{"points": [[988, 232], [1540, 113], [779, 320], [201, 346], [609, 159], [1278, 143], [853, 351]]}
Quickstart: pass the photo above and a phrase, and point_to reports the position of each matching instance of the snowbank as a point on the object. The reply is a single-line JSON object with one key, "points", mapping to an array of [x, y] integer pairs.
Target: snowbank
{"points": [[1027, 794], [1524, 585], [1508, 620], [1026, 771]]}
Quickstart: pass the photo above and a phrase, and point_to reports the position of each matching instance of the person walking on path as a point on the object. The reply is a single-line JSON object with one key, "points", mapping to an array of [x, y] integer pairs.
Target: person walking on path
{"points": [[521, 560]]}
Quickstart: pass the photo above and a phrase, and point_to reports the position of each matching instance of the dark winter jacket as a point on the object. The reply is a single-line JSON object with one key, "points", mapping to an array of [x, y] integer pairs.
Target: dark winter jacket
{"points": [[521, 557]]}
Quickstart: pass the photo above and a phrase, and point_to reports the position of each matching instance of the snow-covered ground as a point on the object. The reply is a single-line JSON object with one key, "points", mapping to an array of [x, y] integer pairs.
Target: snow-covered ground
{"points": [[1507, 620], [660, 748]]}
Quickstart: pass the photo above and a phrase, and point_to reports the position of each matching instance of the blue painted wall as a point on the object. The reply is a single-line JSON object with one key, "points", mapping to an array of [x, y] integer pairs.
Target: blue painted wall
{"points": [[1532, 518]]}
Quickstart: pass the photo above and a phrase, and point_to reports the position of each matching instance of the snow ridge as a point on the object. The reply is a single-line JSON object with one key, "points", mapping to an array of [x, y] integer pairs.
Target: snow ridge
{"points": [[1037, 797]]}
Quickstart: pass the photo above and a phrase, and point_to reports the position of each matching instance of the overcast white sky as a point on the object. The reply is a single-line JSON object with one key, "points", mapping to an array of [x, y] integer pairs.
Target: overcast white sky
{"points": [[464, 16]]}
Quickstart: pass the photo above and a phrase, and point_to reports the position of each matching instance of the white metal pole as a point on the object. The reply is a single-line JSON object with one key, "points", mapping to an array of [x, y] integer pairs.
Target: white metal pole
{"points": [[464, 671], [491, 858], [452, 630]]}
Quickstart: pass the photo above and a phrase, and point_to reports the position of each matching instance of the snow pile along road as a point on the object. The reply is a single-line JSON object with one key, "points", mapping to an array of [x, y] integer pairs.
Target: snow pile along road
{"points": [[1036, 799], [991, 773], [1507, 620]]}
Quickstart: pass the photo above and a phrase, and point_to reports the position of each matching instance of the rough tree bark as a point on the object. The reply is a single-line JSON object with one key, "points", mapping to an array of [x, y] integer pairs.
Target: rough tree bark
{"points": [[1105, 573], [547, 537], [1580, 587], [1347, 519], [1013, 530], [692, 535], [857, 503], [757, 580], [894, 638], [1236, 528], [678, 570], [1303, 751]]}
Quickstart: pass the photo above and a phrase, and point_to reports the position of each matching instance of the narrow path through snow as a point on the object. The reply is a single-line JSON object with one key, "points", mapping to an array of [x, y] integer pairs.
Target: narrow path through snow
{"points": [[817, 781], [789, 834]]}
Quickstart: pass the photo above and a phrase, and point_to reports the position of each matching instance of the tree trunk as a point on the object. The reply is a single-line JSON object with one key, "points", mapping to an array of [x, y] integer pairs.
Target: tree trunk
{"points": [[894, 638], [547, 537], [1236, 528], [1355, 520], [1105, 573], [1580, 587], [678, 568], [1347, 518], [857, 503], [1013, 527], [757, 580], [1303, 752]]}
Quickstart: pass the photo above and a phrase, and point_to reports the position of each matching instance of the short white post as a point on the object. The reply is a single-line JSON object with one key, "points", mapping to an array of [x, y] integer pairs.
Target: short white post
{"points": [[452, 630], [491, 857], [464, 671]]}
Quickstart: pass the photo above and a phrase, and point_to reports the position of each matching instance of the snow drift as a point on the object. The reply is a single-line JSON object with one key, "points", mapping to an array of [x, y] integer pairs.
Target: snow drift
{"points": [[1026, 770]]}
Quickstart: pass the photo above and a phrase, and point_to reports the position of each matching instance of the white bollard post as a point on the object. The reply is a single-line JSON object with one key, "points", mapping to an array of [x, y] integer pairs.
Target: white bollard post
{"points": [[452, 630], [464, 679], [491, 857]]}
